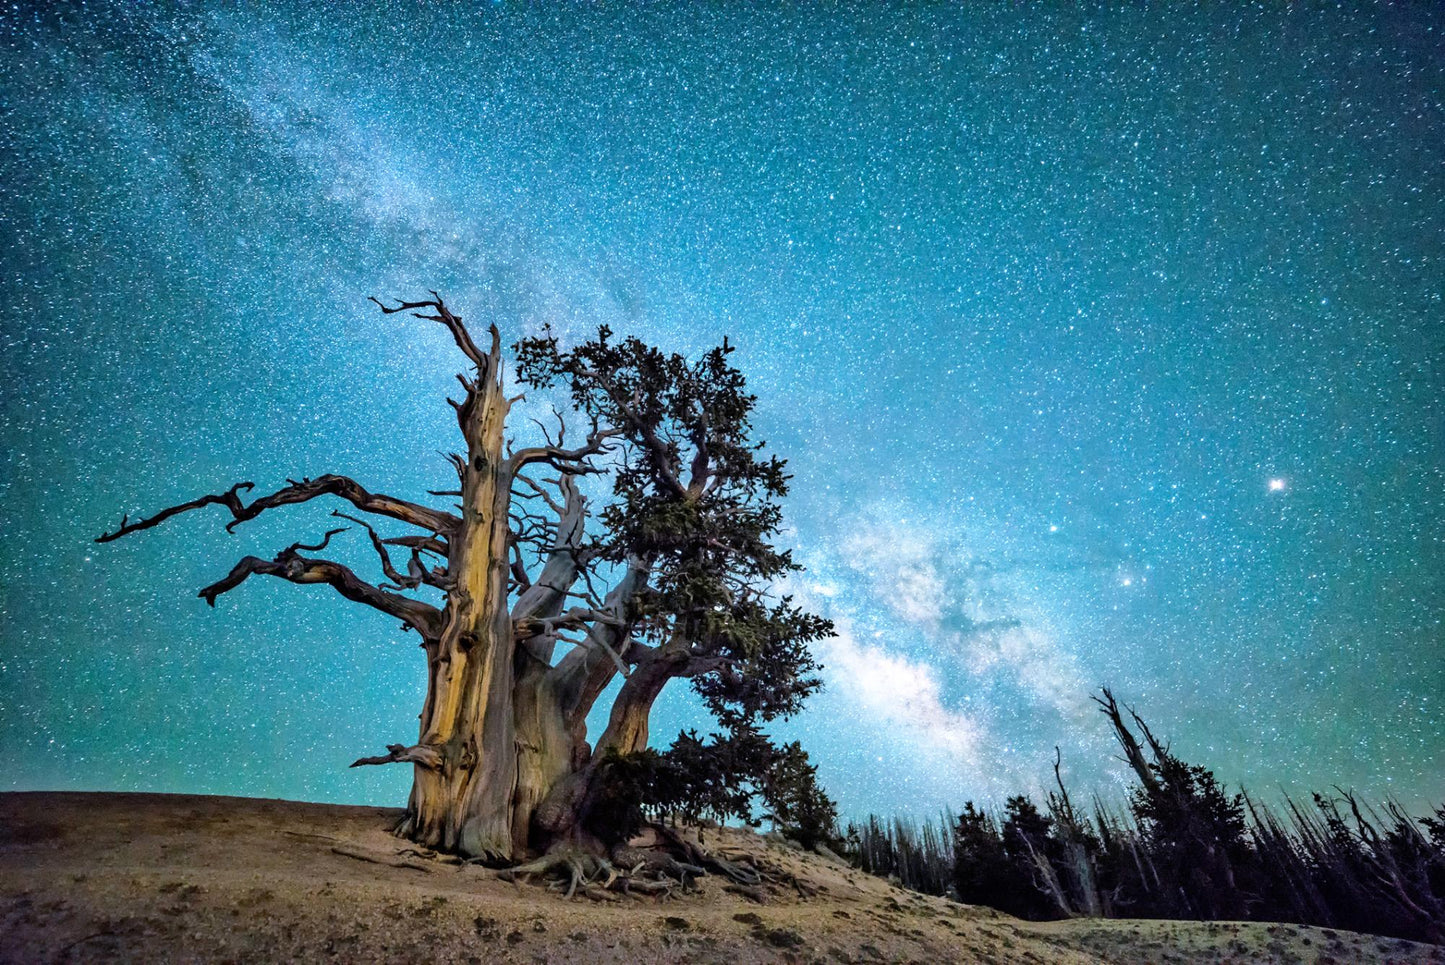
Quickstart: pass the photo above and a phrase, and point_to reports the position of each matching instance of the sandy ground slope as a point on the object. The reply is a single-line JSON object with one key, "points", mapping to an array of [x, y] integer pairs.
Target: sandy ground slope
{"points": [[139, 877]]}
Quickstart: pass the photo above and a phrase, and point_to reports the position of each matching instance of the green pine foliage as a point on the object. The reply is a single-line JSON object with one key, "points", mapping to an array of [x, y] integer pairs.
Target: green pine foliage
{"points": [[797, 804], [694, 497], [740, 776], [696, 503]]}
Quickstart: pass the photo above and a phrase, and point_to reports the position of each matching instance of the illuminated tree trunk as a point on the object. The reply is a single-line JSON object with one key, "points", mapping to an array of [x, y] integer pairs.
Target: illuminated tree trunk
{"points": [[502, 726], [462, 797], [562, 814], [626, 731]]}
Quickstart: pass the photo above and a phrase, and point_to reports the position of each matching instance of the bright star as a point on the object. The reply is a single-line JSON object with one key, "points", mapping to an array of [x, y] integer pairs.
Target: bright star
{"points": [[1276, 485]]}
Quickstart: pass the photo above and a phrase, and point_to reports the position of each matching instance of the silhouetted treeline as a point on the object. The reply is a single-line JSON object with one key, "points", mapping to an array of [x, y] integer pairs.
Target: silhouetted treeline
{"points": [[919, 855], [1181, 847]]}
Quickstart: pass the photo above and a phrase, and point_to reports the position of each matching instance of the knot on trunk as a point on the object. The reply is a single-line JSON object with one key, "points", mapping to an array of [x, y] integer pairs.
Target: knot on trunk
{"points": [[561, 808]]}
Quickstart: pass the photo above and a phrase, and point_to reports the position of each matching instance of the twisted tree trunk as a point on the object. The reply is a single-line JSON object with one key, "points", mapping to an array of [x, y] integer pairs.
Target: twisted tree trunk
{"points": [[626, 731], [463, 801], [561, 815], [506, 725]]}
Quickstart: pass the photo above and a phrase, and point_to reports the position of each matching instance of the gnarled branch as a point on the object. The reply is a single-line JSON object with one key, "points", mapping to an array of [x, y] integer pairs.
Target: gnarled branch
{"points": [[571, 461], [544, 596], [290, 565], [423, 755], [582, 674], [348, 489], [1134, 754], [425, 544], [573, 619], [231, 499], [460, 335], [436, 520], [417, 572]]}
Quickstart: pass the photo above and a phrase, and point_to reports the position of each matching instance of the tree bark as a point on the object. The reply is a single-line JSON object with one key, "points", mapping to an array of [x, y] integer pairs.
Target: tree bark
{"points": [[502, 720], [546, 752], [626, 731], [466, 804], [561, 817], [546, 748]]}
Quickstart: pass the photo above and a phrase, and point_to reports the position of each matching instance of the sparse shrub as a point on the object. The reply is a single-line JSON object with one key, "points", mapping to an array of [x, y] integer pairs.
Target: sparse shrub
{"points": [[722, 779]]}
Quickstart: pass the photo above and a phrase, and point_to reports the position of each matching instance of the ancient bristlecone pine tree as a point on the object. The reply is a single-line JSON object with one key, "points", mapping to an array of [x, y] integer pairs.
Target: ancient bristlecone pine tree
{"points": [[673, 583]]}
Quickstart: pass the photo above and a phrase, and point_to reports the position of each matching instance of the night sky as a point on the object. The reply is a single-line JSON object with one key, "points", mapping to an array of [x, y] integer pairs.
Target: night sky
{"points": [[1106, 348]]}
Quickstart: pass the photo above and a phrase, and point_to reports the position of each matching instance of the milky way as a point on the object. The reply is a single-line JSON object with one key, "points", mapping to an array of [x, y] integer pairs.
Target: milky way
{"points": [[1105, 349]]}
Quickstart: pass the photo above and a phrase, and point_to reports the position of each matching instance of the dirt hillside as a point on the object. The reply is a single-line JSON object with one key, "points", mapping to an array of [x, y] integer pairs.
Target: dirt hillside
{"points": [[105, 877]]}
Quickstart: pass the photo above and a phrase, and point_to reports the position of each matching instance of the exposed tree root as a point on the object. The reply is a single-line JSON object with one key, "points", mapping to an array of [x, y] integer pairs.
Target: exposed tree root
{"points": [[431, 855], [752, 893], [578, 868], [376, 857], [670, 865], [598, 893]]}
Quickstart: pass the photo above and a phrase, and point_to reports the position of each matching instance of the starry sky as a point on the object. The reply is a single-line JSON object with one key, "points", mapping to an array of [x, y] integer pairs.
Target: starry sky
{"points": [[1105, 347]]}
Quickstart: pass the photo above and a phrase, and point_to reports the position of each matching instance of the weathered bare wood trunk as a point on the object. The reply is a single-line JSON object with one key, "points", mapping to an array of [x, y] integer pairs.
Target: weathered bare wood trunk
{"points": [[546, 753], [561, 813], [464, 802], [507, 726]]}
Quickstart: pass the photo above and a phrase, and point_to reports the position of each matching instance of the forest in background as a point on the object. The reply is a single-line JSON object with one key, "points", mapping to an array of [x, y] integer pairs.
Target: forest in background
{"points": [[1180, 847]]}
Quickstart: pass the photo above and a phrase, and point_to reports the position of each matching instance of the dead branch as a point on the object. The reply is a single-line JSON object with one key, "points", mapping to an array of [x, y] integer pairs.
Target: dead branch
{"points": [[425, 517], [574, 619], [460, 335], [752, 893], [231, 499], [380, 547], [423, 755], [426, 544], [518, 569], [545, 597], [581, 675], [417, 572], [290, 565], [569, 461], [1132, 751], [372, 857], [538, 492]]}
